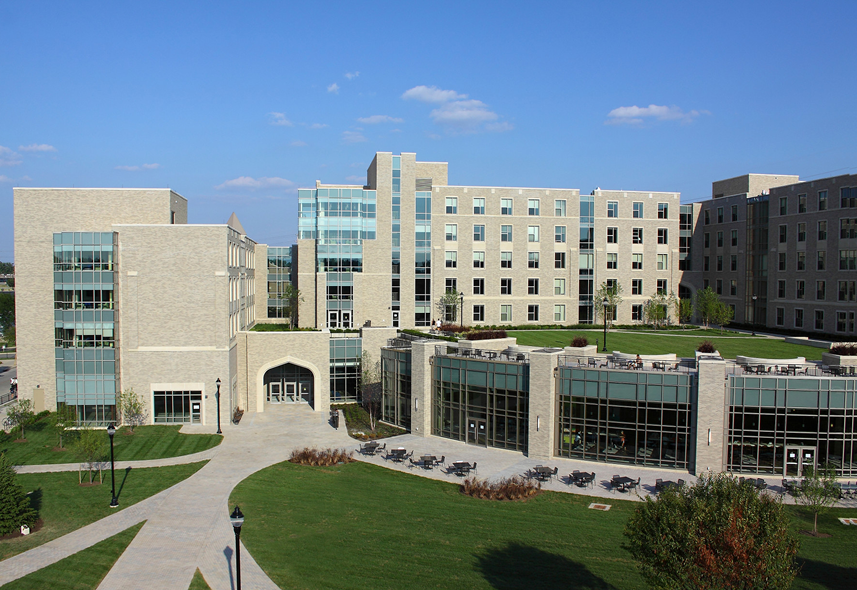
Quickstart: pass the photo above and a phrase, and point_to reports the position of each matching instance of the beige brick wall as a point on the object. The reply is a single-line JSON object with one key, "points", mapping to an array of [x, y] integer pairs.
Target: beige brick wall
{"points": [[711, 408], [421, 403], [542, 411]]}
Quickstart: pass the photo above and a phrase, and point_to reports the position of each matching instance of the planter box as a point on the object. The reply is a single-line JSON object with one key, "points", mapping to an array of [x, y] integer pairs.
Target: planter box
{"points": [[491, 344], [828, 358], [582, 351]]}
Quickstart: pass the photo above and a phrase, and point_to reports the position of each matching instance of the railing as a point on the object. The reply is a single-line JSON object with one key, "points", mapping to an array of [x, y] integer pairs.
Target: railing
{"points": [[399, 343], [607, 362], [482, 355], [8, 397]]}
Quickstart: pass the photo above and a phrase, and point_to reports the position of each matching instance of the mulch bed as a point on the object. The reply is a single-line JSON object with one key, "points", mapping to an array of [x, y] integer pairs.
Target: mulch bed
{"points": [[17, 534], [59, 449], [818, 536], [20, 440], [86, 484]]}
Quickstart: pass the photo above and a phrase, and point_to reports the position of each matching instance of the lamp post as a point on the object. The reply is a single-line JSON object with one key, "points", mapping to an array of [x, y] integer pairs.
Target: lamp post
{"points": [[754, 315], [604, 303], [461, 298], [237, 519], [114, 502], [217, 395]]}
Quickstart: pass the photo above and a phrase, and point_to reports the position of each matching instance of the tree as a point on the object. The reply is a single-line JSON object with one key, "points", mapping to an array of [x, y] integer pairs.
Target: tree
{"points": [[723, 314], [714, 534], [370, 387], [7, 268], [293, 297], [132, 412], [447, 306], [706, 305], [91, 448], [63, 420], [9, 336], [21, 414], [684, 310], [7, 311], [656, 309], [15, 508], [818, 492], [613, 294]]}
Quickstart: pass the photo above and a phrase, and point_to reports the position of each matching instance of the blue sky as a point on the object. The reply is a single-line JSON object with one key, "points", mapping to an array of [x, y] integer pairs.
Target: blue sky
{"points": [[235, 105]]}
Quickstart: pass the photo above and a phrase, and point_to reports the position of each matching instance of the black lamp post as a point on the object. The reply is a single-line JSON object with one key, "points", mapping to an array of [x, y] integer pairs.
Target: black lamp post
{"points": [[237, 518], [114, 502], [754, 314], [461, 298], [604, 303], [217, 395]]}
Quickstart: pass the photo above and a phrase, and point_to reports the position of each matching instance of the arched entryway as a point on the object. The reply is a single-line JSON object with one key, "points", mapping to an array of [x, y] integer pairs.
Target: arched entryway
{"points": [[290, 384]]}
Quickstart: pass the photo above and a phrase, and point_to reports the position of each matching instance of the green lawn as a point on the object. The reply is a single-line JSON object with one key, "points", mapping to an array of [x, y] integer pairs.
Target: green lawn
{"points": [[198, 582], [667, 342], [82, 571], [362, 526], [147, 442], [65, 506]]}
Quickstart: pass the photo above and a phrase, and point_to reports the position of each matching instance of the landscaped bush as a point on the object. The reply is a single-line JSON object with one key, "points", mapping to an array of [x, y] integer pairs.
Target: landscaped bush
{"points": [[705, 346], [512, 488], [357, 423], [323, 458], [580, 342], [485, 334], [844, 349], [279, 328], [454, 328]]}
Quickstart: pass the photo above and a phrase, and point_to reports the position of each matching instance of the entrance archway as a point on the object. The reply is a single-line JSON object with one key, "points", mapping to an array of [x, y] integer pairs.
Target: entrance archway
{"points": [[289, 383]]}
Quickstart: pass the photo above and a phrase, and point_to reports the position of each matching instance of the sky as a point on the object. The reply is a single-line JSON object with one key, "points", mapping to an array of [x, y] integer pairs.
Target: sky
{"points": [[237, 105]]}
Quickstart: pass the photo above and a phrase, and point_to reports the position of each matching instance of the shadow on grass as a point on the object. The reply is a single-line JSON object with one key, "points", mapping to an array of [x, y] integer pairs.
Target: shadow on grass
{"points": [[36, 499], [122, 485], [519, 566], [827, 575]]}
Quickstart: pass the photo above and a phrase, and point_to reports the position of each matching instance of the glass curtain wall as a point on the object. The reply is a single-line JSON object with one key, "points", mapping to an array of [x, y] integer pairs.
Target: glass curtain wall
{"points": [[586, 268], [396, 236], [422, 259], [345, 361], [396, 382], [279, 277], [685, 237]]}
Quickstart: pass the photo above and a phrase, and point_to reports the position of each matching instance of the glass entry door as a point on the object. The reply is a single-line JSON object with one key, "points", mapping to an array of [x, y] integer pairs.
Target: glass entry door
{"points": [[275, 392], [195, 412], [291, 392], [304, 387], [476, 433], [798, 459]]}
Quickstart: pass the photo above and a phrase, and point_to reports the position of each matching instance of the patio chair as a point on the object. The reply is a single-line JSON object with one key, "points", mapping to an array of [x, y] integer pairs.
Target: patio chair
{"points": [[441, 461], [473, 468], [681, 483], [614, 482], [761, 483], [634, 484], [413, 463], [659, 484]]}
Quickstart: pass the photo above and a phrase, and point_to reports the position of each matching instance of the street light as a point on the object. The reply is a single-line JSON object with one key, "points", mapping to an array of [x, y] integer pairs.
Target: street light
{"points": [[217, 395], [114, 502], [754, 314], [604, 303], [237, 519], [461, 298]]}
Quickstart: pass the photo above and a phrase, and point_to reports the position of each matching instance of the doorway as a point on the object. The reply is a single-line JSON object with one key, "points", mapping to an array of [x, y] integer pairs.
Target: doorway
{"points": [[275, 392], [291, 390], [798, 459], [476, 432], [289, 383]]}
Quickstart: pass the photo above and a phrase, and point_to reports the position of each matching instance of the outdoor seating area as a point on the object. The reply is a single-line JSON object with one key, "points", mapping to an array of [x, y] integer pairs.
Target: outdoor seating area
{"points": [[478, 353], [427, 461], [372, 448], [398, 455], [623, 483], [661, 485], [581, 478], [460, 468], [662, 363], [542, 473]]}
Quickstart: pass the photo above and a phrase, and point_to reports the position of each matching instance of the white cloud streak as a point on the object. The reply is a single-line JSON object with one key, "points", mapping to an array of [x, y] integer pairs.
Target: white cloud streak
{"points": [[432, 94], [136, 168], [279, 119], [375, 119], [250, 183], [635, 115], [318, 125], [333, 88], [352, 75], [9, 157], [37, 147], [5, 178], [456, 112], [353, 137]]}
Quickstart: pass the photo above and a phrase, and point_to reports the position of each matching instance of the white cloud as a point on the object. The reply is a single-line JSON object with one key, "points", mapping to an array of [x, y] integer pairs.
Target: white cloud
{"points": [[463, 113], [635, 115], [334, 88], [37, 147], [279, 119], [375, 119], [319, 126], [352, 75], [5, 178], [355, 179], [135, 168], [298, 143], [250, 183], [432, 94], [352, 137], [9, 157]]}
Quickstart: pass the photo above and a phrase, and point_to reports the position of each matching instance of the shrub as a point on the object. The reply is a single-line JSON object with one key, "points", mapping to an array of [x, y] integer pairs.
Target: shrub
{"points": [[15, 508], [512, 488], [844, 349], [454, 328], [485, 334], [323, 458], [705, 346], [580, 342]]}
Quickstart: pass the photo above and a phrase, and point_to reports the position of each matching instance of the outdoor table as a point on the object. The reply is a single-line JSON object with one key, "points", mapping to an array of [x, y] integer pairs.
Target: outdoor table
{"points": [[428, 460], [622, 481], [543, 473], [460, 467], [398, 455], [370, 447], [491, 354], [668, 484], [659, 365]]}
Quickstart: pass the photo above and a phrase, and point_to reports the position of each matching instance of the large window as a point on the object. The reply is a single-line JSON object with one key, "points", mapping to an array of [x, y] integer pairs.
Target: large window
{"points": [[612, 208], [345, 361], [451, 205], [505, 206], [638, 210], [177, 407], [479, 206], [532, 259], [396, 386], [505, 233], [532, 206], [533, 233], [451, 232], [478, 233]]}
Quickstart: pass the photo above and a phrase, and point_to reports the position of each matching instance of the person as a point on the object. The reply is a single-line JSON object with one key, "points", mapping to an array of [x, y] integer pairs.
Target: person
{"points": [[639, 362], [622, 433]]}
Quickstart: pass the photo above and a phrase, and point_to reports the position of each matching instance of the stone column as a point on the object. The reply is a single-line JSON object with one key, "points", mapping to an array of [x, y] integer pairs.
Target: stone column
{"points": [[542, 413], [710, 424], [421, 407]]}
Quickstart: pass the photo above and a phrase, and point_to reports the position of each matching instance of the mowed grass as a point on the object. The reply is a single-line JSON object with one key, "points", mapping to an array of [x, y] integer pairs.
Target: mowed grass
{"points": [[82, 571], [665, 342], [65, 506], [198, 582], [362, 526], [147, 442]]}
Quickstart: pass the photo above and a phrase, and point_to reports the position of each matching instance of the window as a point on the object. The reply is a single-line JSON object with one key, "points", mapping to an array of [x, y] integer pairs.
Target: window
{"points": [[822, 200], [705, 283], [479, 286], [781, 289], [637, 235], [505, 313], [663, 262], [801, 260], [505, 206], [801, 232], [720, 215], [479, 260], [847, 229], [636, 261], [559, 234], [801, 203], [559, 313], [451, 284], [611, 284], [819, 319], [733, 287], [820, 262], [733, 263], [612, 235], [784, 234], [451, 259], [559, 208], [706, 240], [847, 290], [505, 286], [820, 290], [479, 206], [559, 286], [800, 289], [532, 233], [798, 318], [532, 206], [719, 286], [784, 205], [559, 259], [638, 210], [637, 312], [662, 286], [781, 261], [848, 260], [451, 232], [505, 260], [707, 216], [822, 230], [662, 236], [706, 263], [532, 259], [720, 239], [734, 212], [505, 233], [612, 208], [719, 263], [451, 205], [612, 261], [532, 313], [663, 211], [734, 237], [532, 286], [478, 313], [840, 321], [781, 316], [636, 286]]}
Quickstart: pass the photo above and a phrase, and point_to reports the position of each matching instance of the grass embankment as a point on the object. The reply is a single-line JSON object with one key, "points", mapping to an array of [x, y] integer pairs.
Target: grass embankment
{"points": [[83, 570], [198, 582], [680, 343], [65, 506], [362, 526], [147, 442], [357, 422]]}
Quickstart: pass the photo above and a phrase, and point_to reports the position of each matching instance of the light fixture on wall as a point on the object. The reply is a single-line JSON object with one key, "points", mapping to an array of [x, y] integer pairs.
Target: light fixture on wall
{"points": [[709, 437], [538, 423], [416, 405]]}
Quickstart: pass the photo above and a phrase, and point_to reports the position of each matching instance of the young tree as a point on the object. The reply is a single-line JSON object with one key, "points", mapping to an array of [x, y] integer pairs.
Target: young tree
{"points": [[370, 387], [62, 420], [91, 448], [706, 305], [447, 306], [21, 414], [818, 492], [293, 297], [684, 310], [723, 314], [7, 311], [711, 535], [656, 309], [613, 294], [15, 509], [132, 412]]}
